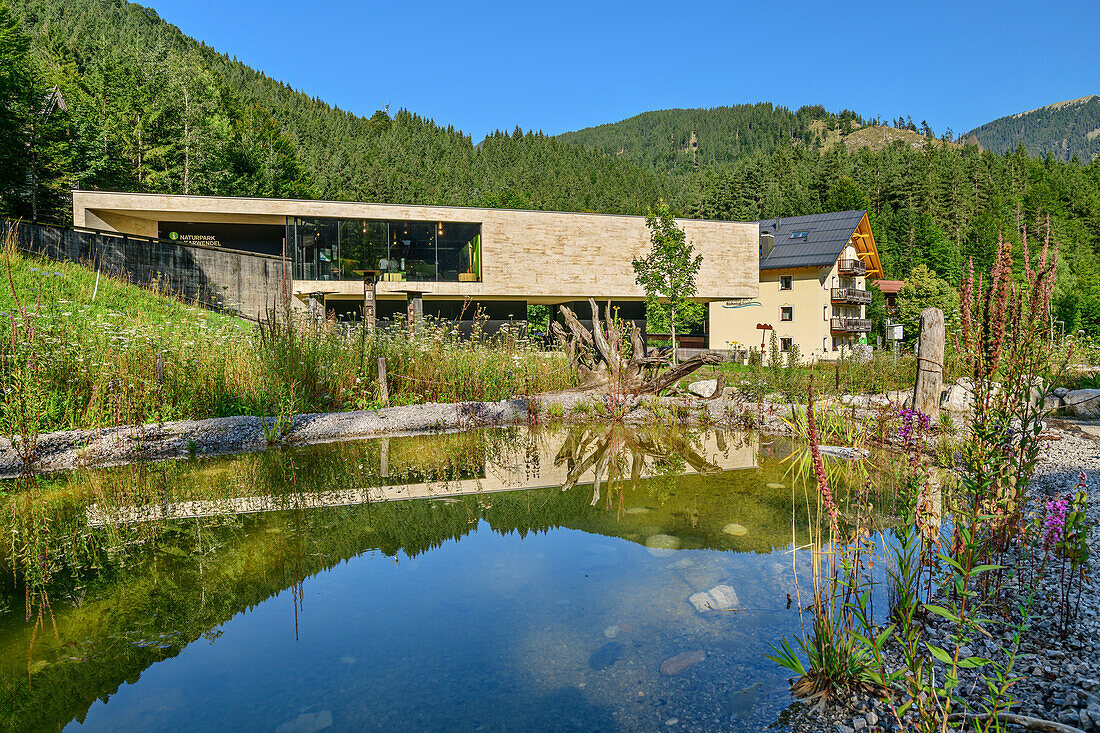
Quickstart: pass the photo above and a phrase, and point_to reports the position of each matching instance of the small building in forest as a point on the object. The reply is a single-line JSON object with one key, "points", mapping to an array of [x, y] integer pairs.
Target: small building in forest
{"points": [[813, 296]]}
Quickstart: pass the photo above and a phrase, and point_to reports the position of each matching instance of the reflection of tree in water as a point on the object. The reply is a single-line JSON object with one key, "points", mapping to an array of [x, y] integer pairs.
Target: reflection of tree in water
{"points": [[618, 453]]}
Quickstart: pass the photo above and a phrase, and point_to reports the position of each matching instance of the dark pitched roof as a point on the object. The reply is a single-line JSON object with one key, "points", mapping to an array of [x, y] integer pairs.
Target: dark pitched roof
{"points": [[826, 237]]}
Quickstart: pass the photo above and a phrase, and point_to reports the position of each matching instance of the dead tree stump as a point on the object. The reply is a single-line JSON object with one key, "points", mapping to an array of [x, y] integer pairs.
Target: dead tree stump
{"points": [[930, 346], [599, 356]]}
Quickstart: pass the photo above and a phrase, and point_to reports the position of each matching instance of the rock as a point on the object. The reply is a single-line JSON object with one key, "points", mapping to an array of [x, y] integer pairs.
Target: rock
{"points": [[307, 723], [1052, 403], [737, 530], [959, 397], [606, 655], [677, 664], [672, 721], [776, 486], [840, 451], [611, 632], [704, 388], [841, 728], [662, 545], [1060, 392], [858, 723], [637, 510], [718, 598], [1082, 403]]}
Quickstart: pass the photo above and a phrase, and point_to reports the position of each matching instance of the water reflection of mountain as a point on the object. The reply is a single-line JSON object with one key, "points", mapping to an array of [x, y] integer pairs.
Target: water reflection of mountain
{"points": [[129, 594]]}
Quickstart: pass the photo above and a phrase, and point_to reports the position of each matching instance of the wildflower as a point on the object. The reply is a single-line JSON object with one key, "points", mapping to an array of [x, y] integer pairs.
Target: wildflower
{"points": [[1054, 524], [819, 465]]}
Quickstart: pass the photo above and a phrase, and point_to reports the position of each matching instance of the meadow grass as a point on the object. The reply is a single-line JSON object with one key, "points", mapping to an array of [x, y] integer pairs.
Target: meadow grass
{"points": [[74, 354]]}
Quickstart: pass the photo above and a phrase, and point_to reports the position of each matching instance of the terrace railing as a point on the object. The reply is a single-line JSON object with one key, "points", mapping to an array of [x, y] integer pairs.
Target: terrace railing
{"points": [[851, 295], [850, 325], [852, 267]]}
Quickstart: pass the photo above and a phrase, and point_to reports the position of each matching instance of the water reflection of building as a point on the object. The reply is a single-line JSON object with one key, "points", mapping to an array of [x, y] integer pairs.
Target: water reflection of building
{"points": [[597, 456]]}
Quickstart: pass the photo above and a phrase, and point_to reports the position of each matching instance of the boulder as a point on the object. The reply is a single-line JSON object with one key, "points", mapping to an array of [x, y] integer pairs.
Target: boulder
{"points": [[307, 723], [606, 655], [680, 662], [737, 530], [718, 598], [1051, 403], [959, 397], [662, 545], [1082, 403], [704, 388], [844, 452], [1060, 392]]}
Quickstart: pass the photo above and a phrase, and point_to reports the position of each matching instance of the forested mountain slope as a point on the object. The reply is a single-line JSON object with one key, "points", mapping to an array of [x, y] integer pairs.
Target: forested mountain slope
{"points": [[149, 109], [1064, 130]]}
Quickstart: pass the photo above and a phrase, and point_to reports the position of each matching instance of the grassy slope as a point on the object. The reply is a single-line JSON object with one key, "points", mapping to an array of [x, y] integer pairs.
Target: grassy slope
{"points": [[68, 288]]}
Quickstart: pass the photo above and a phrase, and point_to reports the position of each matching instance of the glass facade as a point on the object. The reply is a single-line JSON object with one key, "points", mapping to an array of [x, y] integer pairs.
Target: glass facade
{"points": [[412, 251]]}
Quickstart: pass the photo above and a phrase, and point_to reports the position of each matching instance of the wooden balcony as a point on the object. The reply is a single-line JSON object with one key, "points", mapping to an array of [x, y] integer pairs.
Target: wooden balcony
{"points": [[852, 267], [851, 295], [850, 325]]}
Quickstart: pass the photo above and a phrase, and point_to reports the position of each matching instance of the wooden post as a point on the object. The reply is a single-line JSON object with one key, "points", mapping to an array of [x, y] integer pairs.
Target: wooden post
{"points": [[384, 459], [930, 347], [383, 388]]}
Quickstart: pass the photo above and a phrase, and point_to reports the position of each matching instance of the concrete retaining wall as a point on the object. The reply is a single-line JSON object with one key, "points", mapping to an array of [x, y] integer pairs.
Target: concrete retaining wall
{"points": [[240, 282]]}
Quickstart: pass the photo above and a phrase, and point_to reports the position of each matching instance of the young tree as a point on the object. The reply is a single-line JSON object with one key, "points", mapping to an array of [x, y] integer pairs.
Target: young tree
{"points": [[667, 273], [924, 289]]}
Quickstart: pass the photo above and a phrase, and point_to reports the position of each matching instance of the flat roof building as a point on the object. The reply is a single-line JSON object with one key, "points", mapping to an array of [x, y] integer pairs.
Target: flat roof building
{"points": [[485, 255]]}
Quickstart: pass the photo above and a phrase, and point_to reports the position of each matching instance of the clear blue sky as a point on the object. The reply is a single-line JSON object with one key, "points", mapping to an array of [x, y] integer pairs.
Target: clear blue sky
{"points": [[560, 66]]}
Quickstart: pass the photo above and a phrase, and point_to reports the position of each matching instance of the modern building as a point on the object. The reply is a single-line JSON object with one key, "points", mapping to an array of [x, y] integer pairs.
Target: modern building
{"points": [[458, 259], [813, 272]]}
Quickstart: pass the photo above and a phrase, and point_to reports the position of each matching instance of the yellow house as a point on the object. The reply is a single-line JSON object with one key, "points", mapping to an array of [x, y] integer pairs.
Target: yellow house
{"points": [[813, 272]]}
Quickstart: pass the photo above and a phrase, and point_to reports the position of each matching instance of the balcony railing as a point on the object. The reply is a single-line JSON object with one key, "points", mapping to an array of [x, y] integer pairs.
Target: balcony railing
{"points": [[852, 267], [851, 295], [850, 325]]}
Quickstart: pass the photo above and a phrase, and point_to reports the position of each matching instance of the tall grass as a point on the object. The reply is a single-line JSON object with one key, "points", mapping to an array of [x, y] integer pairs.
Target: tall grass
{"points": [[120, 355]]}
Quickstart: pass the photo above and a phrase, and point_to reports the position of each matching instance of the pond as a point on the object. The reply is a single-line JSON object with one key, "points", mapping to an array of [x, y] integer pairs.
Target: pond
{"points": [[599, 578]]}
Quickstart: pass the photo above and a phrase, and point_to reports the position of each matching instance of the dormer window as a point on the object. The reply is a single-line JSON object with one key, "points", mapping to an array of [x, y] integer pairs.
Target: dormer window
{"points": [[799, 235]]}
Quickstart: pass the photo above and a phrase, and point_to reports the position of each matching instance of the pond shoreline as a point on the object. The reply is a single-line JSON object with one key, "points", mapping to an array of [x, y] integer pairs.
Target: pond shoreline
{"points": [[1060, 677], [75, 449]]}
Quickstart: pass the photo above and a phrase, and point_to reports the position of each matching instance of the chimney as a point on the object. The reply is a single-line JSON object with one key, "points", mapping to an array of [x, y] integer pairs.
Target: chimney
{"points": [[767, 244]]}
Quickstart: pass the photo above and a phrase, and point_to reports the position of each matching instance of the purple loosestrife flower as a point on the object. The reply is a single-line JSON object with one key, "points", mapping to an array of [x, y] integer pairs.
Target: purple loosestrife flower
{"points": [[819, 464], [1054, 524]]}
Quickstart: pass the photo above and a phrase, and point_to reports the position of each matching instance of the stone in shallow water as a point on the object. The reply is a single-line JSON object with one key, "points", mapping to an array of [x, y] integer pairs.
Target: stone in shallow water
{"points": [[307, 723], [775, 486], [611, 632], [735, 529], [661, 545], [680, 662], [606, 655], [637, 510], [718, 598]]}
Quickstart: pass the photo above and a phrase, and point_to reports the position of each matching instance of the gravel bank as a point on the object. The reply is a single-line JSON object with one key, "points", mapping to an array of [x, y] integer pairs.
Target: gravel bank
{"points": [[72, 449], [1061, 678]]}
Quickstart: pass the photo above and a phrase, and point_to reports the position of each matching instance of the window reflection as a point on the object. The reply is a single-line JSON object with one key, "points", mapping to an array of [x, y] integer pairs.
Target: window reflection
{"points": [[413, 251]]}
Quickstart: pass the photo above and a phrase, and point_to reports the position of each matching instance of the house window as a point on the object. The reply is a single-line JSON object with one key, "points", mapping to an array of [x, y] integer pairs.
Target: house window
{"points": [[786, 282], [799, 235], [786, 313], [785, 344]]}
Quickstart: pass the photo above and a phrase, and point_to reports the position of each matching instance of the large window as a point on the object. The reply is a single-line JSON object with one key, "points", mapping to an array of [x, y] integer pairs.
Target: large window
{"points": [[413, 251]]}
